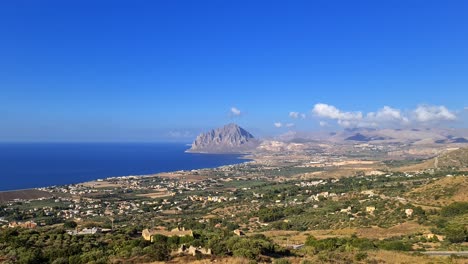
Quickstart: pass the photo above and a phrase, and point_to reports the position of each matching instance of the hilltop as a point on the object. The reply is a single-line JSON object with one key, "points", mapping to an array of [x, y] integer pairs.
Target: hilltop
{"points": [[441, 192], [230, 138], [456, 158], [451, 159]]}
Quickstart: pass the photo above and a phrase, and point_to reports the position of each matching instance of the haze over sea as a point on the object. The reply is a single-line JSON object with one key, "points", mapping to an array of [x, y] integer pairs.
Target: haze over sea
{"points": [[30, 165]]}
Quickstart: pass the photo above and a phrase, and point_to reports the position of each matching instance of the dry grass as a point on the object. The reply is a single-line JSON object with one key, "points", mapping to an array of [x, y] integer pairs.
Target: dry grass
{"points": [[381, 256], [387, 257], [23, 194], [282, 237], [447, 190], [428, 164], [398, 230], [155, 195], [295, 237], [401, 258], [183, 176], [220, 260], [101, 184], [171, 212]]}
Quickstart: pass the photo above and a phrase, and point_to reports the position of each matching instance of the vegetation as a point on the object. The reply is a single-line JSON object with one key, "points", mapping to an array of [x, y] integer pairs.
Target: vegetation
{"points": [[455, 209], [346, 211]]}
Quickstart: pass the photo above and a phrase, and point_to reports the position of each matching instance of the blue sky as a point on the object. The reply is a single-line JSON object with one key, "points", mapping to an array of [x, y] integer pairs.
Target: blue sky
{"points": [[166, 70]]}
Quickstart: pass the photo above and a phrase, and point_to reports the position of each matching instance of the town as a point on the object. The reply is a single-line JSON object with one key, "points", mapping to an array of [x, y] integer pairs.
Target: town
{"points": [[284, 202]]}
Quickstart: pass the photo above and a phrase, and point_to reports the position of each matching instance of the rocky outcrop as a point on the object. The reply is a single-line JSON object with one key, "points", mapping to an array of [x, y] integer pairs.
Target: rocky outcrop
{"points": [[228, 139]]}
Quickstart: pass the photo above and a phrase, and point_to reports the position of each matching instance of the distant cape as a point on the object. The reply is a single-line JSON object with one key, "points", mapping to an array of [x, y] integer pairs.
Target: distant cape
{"points": [[228, 139]]}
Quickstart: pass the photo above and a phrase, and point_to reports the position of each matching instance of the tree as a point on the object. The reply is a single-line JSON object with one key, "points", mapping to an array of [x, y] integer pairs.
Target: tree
{"points": [[70, 224], [454, 209], [159, 251], [456, 233]]}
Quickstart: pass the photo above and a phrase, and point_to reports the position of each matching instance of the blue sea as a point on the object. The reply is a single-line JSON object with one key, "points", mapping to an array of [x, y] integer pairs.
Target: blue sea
{"points": [[30, 165]]}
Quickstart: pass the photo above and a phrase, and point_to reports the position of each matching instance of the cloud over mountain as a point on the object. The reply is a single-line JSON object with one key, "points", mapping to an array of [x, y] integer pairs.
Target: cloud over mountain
{"points": [[296, 115], [384, 117], [234, 111], [427, 113]]}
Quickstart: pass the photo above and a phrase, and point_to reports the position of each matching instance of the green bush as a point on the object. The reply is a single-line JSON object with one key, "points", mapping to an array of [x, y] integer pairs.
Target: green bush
{"points": [[395, 245], [282, 261], [454, 209], [456, 233], [70, 224]]}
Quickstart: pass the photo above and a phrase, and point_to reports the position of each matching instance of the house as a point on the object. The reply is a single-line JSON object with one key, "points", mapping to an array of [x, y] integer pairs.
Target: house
{"points": [[28, 224], [434, 236], [239, 232], [148, 234], [409, 212], [194, 250], [346, 210], [85, 231], [370, 209]]}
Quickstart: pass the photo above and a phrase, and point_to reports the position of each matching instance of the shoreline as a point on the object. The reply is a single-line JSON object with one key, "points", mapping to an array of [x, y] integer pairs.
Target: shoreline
{"points": [[246, 157]]}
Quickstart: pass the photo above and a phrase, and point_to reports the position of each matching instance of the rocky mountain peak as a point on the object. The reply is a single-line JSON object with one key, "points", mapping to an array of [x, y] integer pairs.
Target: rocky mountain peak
{"points": [[230, 138]]}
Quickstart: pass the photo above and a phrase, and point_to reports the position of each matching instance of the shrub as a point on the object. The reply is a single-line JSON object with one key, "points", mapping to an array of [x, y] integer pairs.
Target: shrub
{"points": [[360, 256], [282, 261], [395, 245], [70, 224], [454, 209], [456, 233]]}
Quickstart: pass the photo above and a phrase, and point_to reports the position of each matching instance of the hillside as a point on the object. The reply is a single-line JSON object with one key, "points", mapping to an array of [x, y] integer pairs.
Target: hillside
{"points": [[456, 158], [452, 159], [441, 192]]}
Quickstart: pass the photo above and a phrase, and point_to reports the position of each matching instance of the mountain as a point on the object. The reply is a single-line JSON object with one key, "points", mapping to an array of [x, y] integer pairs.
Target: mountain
{"points": [[228, 139], [453, 159], [361, 137], [451, 139]]}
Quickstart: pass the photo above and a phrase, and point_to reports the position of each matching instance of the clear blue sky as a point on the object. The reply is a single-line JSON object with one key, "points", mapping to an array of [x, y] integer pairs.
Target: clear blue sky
{"points": [[166, 70]]}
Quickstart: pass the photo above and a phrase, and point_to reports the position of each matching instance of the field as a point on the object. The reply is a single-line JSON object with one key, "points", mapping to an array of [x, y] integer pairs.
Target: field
{"points": [[155, 195], [29, 194]]}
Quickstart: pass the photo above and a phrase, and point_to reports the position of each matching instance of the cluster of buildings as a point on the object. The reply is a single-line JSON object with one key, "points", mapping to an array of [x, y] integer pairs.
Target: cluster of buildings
{"points": [[209, 198], [88, 231], [27, 224], [149, 234]]}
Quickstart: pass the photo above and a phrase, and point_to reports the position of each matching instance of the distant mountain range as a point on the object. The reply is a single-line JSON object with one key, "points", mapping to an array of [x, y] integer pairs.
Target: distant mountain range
{"points": [[228, 139], [234, 139], [408, 136], [361, 137]]}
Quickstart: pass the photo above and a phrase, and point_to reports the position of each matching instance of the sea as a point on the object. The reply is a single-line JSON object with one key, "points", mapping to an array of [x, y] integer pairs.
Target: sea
{"points": [[32, 165]]}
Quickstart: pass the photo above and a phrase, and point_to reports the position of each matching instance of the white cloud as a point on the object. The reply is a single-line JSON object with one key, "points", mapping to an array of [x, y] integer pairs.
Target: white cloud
{"points": [[235, 111], [323, 124], [427, 113], [345, 119], [296, 115], [329, 111], [278, 124], [289, 125], [384, 117]]}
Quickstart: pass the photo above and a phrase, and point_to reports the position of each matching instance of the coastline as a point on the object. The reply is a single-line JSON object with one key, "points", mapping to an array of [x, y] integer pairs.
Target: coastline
{"points": [[66, 164], [245, 157]]}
